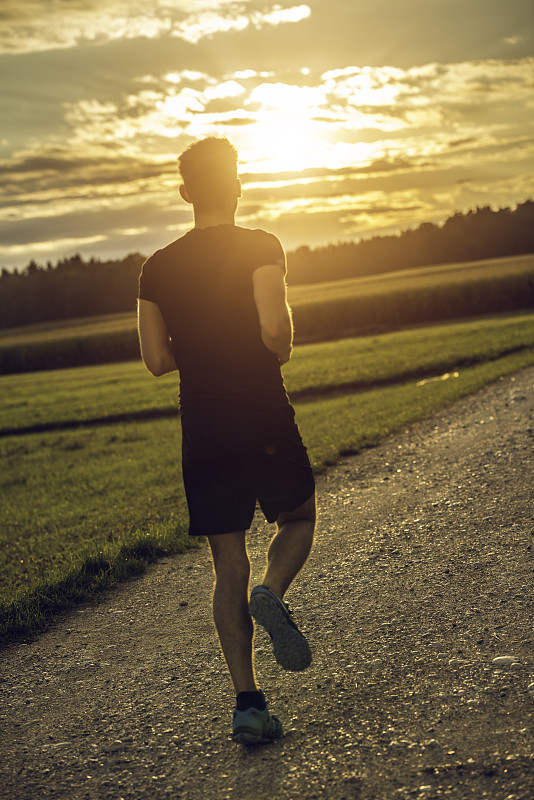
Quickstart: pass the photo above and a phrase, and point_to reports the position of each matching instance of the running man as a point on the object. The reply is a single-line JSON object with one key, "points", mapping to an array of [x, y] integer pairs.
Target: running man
{"points": [[213, 306]]}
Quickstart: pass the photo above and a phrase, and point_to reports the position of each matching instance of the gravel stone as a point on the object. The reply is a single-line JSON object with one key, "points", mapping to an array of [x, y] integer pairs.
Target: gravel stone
{"points": [[504, 661]]}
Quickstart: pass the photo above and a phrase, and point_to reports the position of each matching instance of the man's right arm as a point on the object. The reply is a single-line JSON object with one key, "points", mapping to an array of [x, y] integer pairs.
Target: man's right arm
{"points": [[154, 340], [274, 314]]}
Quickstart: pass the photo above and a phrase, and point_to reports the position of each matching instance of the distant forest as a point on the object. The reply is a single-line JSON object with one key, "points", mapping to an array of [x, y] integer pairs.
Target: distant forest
{"points": [[77, 288]]}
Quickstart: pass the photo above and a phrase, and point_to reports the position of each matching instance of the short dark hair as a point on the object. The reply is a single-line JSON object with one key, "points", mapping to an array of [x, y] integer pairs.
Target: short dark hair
{"points": [[209, 171]]}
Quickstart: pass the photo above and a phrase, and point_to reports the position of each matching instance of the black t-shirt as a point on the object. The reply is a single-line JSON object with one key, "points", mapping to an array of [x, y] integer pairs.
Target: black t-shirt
{"points": [[202, 284]]}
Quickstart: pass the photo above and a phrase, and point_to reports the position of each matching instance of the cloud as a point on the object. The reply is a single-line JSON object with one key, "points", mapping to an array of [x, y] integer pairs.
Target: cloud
{"points": [[97, 219], [292, 178], [284, 97], [293, 14], [38, 25], [513, 40], [235, 122], [46, 247], [462, 142], [426, 93], [60, 183]]}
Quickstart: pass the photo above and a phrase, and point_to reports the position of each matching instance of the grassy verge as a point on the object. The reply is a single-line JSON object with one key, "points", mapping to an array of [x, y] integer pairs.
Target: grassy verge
{"points": [[29, 611], [83, 509], [67, 497], [63, 397], [351, 422]]}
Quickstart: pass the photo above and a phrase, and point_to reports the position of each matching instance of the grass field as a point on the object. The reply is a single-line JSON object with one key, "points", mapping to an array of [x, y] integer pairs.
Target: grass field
{"points": [[68, 328], [108, 391], [82, 508], [321, 311]]}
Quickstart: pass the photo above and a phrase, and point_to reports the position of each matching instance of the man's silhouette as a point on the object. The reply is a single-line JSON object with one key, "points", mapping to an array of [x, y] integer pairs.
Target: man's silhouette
{"points": [[213, 305]]}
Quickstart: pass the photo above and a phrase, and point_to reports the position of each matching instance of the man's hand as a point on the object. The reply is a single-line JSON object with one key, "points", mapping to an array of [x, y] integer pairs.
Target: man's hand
{"points": [[273, 311]]}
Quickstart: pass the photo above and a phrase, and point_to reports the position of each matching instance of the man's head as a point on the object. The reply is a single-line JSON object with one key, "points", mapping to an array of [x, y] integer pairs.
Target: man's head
{"points": [[209, 171]]}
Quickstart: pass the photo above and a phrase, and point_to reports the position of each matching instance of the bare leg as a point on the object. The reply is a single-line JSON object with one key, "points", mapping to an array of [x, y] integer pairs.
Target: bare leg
{"points": [[230, 607], [290, 547]]}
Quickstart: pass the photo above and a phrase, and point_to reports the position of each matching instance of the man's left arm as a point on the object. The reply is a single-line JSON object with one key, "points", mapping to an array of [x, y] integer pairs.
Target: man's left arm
{"points": [[154, 339], [274, 314]]}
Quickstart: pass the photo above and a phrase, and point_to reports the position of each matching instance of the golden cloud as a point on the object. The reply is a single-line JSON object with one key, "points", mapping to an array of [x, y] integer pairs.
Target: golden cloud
{"points": [[38, 25]]}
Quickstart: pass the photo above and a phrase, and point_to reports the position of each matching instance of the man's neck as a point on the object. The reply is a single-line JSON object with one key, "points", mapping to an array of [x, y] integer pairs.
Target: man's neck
{"points": [[208, 219]]}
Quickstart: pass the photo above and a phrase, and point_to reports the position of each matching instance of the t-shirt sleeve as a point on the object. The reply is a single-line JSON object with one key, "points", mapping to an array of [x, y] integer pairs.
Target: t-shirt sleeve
{"points": [[146, 281], [271, 252]]}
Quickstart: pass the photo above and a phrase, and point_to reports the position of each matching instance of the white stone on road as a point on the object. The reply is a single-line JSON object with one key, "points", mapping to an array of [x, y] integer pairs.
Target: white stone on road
{"points": [[504, 661]]}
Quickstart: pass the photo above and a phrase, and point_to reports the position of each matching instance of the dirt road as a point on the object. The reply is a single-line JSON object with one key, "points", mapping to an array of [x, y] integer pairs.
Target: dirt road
{"points": [[421, 576]]}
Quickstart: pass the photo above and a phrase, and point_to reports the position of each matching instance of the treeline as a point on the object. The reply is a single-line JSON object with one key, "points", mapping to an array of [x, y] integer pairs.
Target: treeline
{"points": [[476, 235], [77, 288], [70, 289]]}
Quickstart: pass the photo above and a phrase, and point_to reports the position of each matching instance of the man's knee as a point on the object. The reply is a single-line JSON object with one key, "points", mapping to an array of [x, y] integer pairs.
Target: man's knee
{"points": [[230, 557], [307, 512]]}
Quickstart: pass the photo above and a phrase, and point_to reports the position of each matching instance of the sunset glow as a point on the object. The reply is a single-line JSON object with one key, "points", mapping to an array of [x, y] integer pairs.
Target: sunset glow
{"points": [[349, 120]]}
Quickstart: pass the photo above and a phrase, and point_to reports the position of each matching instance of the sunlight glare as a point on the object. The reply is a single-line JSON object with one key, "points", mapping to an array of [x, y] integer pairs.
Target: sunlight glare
{"points": [[284, 141], [286, 137]]}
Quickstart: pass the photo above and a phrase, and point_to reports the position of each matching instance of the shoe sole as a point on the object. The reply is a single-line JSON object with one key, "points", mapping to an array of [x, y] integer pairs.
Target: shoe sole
{"points": [[250, 734], [247, 736], [291, 649]]}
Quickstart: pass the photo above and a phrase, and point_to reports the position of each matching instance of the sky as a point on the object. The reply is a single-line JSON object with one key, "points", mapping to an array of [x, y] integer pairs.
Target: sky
{"points": [[351, 118]]}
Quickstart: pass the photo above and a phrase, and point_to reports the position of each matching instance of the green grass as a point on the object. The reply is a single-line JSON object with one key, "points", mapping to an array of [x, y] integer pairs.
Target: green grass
{"points": [[82, 509], [81, 394], [69, 328], [109, 391], [73, 501], [367, 360], [350, 422], [31, 609], [93, 486]]}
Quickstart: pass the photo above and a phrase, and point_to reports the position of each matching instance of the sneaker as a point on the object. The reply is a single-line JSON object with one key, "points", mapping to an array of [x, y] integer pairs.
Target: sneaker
{"points": [[291, 649], [255, 727]]}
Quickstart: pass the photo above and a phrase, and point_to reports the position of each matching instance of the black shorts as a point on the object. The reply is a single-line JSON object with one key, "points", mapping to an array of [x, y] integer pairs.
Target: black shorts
{"points": [[235, 457]]}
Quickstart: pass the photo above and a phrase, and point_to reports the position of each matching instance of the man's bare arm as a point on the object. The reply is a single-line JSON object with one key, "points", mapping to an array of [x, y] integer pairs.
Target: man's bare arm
{"points": [[154, 339], [270, 296]]}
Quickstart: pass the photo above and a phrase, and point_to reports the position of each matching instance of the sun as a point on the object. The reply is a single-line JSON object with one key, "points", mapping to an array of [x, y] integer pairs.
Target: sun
{"points": [[283, 142], [286, 135]]}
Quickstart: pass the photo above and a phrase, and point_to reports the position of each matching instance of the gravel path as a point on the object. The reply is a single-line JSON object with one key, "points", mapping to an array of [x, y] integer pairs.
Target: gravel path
{"points": [[421, 576]]}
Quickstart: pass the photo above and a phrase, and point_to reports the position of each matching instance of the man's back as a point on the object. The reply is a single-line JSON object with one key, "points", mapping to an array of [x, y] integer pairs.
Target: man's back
{"points": [[203, 285]]}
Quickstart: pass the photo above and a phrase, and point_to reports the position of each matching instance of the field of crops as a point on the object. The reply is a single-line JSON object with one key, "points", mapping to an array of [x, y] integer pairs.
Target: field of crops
{"points": [[85, 506], [387, 302], [422, 277]]}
